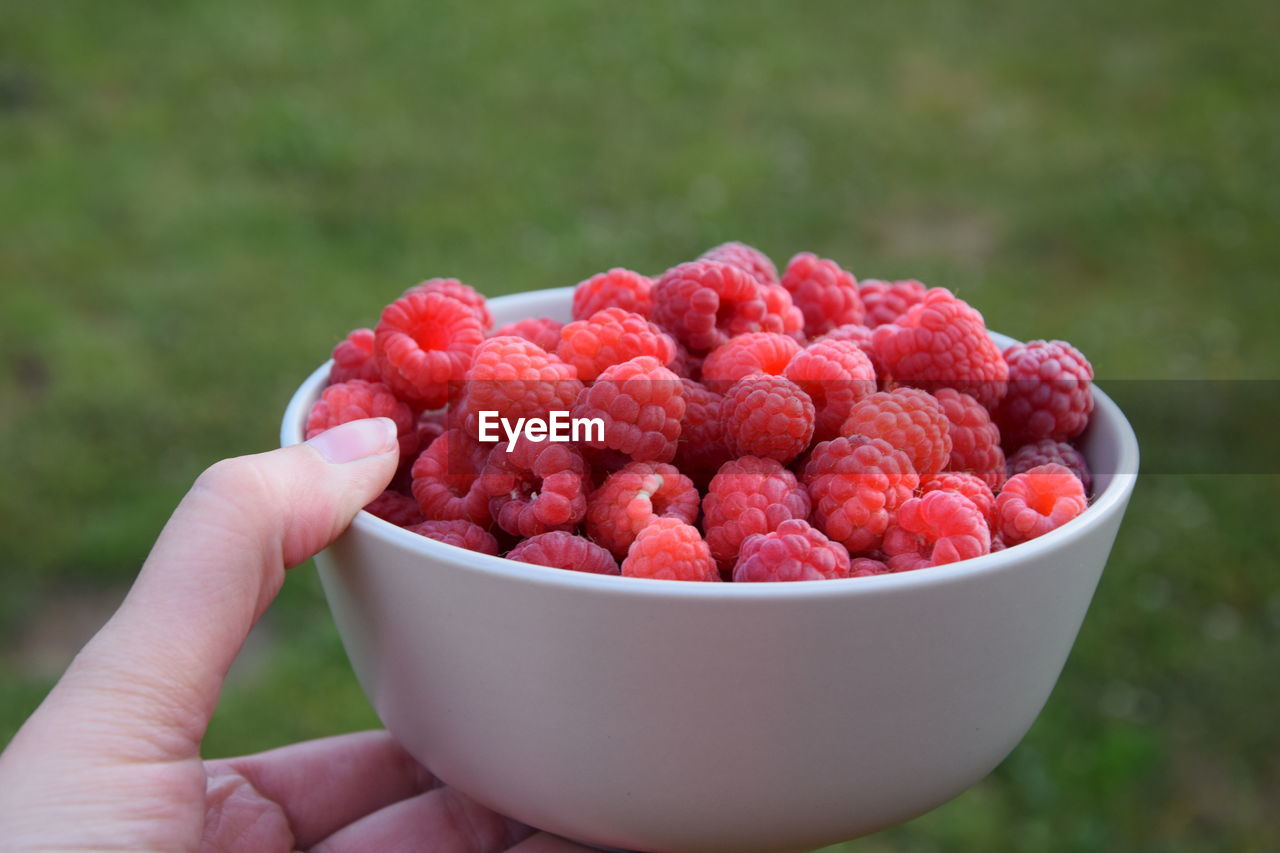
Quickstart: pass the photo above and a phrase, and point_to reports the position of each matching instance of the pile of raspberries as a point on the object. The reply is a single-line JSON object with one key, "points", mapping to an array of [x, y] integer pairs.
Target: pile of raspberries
{"points": [[757, 427]]}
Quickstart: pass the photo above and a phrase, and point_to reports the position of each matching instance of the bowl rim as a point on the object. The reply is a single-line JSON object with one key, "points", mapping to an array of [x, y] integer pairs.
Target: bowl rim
{"points": [[1105, 505]]}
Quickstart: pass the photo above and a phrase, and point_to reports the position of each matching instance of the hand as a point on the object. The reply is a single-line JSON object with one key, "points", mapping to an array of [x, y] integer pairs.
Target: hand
{"points": [[111, 759]]}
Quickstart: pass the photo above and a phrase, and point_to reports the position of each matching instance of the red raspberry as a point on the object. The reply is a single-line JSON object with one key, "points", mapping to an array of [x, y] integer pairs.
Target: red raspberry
{"points": [[860, 335], [792, 552], [356, 399], [909, 419], [670, 549], [826, 294], [975, 440], [542, 331], [702, 448], [1049, 451], [400, 510], [641, 404], [562, 550], [747, 496], [517, 379], [942, 342], [353, 358], [462, 534], [1036, 501], [464, 293], [617, 288], [430, 426], [535, 487], [1050, 393], [886, 301], [631, 498], [862, 567], [611, 337], [941, 527], [704, 303], [971, 486], [446, 479], [835, 375], [755, 352], [767, 416], [746, 258], [423, 342], [856, 485], [686, 366]]}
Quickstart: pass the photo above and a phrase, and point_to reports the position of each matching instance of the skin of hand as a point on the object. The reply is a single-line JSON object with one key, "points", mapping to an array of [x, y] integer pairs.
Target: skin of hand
{"points": [[111, 758]]}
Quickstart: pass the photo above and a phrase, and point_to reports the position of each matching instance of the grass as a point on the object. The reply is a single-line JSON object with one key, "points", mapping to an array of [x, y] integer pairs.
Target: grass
{"points": [[199, 199]]}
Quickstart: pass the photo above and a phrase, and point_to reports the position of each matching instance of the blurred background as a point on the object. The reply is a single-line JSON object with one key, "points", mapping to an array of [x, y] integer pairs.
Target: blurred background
{"points": [[200, 199]]}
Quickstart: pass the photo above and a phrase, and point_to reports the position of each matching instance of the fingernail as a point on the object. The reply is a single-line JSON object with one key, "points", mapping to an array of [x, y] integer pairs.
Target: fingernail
{"points": [[356, 440]]}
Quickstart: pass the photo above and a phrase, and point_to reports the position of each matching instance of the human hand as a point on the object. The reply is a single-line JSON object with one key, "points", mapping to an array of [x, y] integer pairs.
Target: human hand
{"points": [[111, 758]]}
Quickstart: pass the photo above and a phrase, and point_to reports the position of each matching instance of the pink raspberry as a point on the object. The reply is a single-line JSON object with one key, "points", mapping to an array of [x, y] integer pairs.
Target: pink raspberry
{"points": [[517, 379], [860, 335], [886, 301], [862, 567], [1036, 501], [355, 400], [541, 331], [353, 358], [941, 527], [747, 496], [641, 404], [631, 498], [826, 294], [792, 552], [704, 303], [611, 336], [767, 416], [971, 486], [536, 486], [464, 293], [942, 342], [746, 258], [670, 549], [423, 342], [400, 510], [975, 440], [617, 288], [462, 534], [754, 352], [909, 419], [686, 366], [446, 479], [1049, 451], [702, 448], [560, 549], [430, 426], [1050, 393], [857, 484], [836, 375]]}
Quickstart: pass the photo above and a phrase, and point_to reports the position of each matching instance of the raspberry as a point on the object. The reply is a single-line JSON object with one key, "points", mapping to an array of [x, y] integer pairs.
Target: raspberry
{"points": [[631, 498], [826, 295], [1044, 452], [942, 342], [685, 365], [611, 337], [430, 426], [836, 375], [862, 567], [755, 352], [462, 534], [353, 358], [517, 379], [860, 335], [910, 420], [446, 479], [400, 510], [1036, 501], [1050, 393], [464, 293], [641, 404], [856, 485], [702, 448], [423, 342], [356, 399], [941, 527], [542, 331], [747, 496], [617, 288], [767, 416], [975, 440], [971, 486], [746, 258], [670, 549], [704, 303], [535, 487], [886, 301], [792, 552], [562, 550]]}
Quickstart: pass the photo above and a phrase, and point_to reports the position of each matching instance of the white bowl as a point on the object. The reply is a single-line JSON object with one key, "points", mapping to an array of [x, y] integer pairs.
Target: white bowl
{"points": [[669, 716]]}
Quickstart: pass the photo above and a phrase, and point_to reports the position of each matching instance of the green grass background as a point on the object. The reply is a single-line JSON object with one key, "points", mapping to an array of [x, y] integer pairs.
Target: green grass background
{"points": [[198, 199]]}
